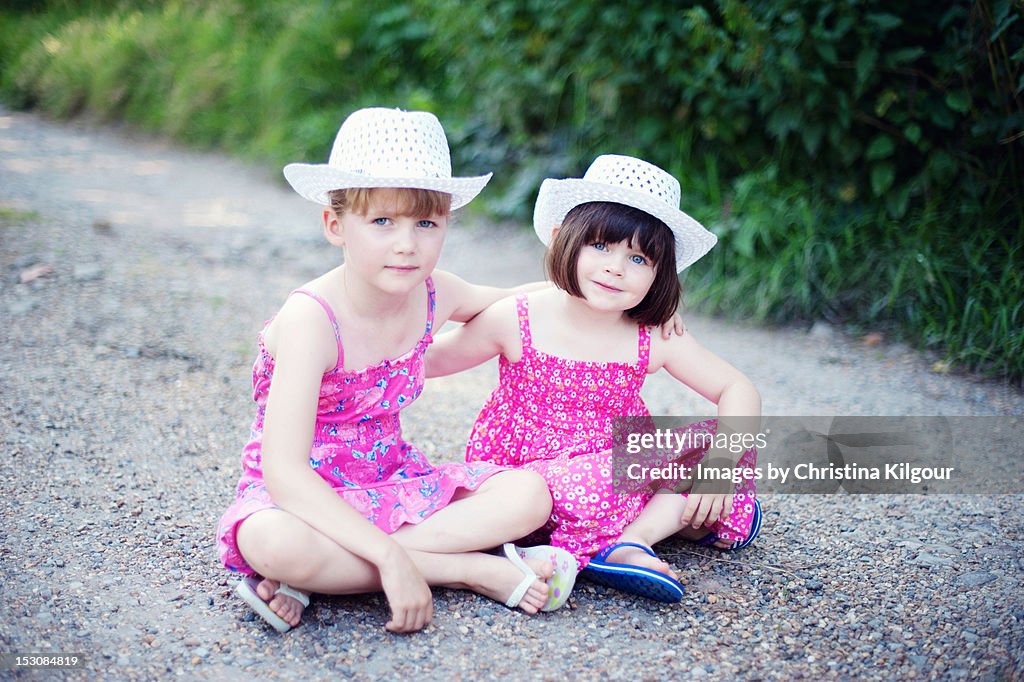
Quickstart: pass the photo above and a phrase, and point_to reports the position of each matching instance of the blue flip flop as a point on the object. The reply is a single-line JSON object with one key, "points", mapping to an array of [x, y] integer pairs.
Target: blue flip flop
{"points": [[632, 579], [755, 530]]}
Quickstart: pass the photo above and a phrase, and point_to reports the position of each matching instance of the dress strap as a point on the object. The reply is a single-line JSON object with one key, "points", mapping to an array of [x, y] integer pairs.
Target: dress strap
{"points": [[644, 347], [523, 308], [431, 304], [330, 316]]}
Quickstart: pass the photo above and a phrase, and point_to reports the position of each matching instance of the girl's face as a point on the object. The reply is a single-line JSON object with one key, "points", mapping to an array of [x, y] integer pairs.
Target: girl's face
{"points": [[389, 250], [614, 276]]}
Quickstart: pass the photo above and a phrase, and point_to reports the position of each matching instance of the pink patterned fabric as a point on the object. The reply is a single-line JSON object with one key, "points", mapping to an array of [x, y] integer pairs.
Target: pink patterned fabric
{"points": [[357, 445], [554, 416]]}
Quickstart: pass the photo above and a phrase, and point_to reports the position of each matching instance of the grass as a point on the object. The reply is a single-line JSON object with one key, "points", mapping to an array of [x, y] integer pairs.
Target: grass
{"points": [[788, 258]]}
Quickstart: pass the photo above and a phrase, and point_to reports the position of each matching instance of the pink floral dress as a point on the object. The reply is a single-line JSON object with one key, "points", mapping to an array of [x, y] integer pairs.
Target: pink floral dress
{"points": [[555, 416], [357, 444]]}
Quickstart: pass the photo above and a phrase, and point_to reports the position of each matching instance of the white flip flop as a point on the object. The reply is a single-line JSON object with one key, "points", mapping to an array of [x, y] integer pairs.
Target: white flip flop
{"points": [[246, 589], [560, 583], [562, 580]]}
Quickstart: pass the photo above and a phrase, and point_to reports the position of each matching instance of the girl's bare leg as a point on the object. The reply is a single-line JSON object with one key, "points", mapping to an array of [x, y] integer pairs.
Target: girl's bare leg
{"points": [[506, 506], [282, 546], [658, 520], [696, 534]]}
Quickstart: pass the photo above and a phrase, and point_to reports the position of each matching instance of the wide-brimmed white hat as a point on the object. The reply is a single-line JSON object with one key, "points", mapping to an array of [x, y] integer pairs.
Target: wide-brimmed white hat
{"points": [[632, 182], [379, 147]]}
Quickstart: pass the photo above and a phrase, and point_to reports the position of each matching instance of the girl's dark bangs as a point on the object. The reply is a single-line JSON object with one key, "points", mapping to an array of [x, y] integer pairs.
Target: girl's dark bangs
{"points": [[611, 223], [616, 226], [639, 229]]}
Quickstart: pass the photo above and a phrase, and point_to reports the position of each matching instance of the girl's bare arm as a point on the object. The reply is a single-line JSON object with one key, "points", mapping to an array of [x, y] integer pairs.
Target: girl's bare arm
{"points": [[305, 348], [739, 411], [491, 333], [461, 301]]}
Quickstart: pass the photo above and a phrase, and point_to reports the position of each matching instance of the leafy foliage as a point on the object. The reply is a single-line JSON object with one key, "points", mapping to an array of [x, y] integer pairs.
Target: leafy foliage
{"points": [[888, 102], [860, 160]]}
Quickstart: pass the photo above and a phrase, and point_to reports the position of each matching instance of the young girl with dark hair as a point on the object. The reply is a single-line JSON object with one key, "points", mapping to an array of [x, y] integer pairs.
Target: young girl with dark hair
{"points": [[573, 360]]}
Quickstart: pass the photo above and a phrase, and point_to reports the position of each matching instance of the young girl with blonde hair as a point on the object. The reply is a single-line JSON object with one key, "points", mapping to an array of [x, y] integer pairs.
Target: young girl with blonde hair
{"points": [[332, 498]]}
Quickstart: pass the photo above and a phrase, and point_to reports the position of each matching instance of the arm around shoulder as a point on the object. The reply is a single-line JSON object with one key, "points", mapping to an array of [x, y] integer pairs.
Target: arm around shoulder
{"points": [[463, 300], [493, 332]]}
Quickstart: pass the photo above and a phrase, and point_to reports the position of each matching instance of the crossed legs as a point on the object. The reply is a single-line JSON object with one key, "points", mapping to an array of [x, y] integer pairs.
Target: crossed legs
{"points": [[444, 547]]}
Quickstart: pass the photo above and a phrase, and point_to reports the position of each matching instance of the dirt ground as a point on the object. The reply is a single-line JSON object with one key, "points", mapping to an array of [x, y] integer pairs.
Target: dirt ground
{"points": [[134, 278]]}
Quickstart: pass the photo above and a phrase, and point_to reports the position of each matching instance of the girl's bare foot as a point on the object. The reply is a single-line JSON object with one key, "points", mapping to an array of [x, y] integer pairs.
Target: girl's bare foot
{"points": [[634, 556], [496, 578], [288, 609]]}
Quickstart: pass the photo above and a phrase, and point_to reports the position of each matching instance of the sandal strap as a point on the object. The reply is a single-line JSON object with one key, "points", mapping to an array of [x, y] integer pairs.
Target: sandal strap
{"points": [[298, 596], [512, 552], [246, 589], [604, 553]]}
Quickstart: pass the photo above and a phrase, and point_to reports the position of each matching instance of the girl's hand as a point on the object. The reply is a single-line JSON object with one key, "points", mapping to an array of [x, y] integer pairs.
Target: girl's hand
{"points": [[675, 325], [704, 510], [412, 605]]}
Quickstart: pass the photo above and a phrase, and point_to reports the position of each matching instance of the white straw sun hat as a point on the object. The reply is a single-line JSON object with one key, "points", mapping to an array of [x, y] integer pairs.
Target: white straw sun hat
{"points": [[379, 147], [628, 181]]}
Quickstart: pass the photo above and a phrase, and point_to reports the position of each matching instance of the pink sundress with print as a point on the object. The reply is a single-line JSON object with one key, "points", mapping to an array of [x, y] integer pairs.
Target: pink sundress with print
{"points": [[357, 444], [555, 416]]}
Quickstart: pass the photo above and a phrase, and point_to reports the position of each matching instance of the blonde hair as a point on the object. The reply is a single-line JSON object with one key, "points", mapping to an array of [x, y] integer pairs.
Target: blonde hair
{"points": [[407, 201]]}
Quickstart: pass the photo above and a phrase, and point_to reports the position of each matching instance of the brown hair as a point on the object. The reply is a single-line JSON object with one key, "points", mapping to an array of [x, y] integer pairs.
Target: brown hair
{"points": [[407, 201], [610, 223]]}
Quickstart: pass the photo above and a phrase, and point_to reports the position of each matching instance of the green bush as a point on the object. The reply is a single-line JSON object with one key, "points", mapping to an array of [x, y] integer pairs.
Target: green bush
{"points": [[263, 79], [888, 102], [922, 278], [860, 160]]}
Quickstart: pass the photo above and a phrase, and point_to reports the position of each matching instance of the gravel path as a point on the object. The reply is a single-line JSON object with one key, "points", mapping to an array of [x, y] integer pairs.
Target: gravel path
{"points": [[124, 401]]}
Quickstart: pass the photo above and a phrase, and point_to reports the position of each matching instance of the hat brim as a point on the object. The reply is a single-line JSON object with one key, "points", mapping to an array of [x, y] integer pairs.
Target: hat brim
{"points": [[558, 197], [315, 180]]}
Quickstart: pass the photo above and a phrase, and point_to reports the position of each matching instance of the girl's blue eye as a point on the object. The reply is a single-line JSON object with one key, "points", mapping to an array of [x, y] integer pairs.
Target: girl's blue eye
{"points": [[600, 246], [638, 259], [426, 223], [380, 221]]}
